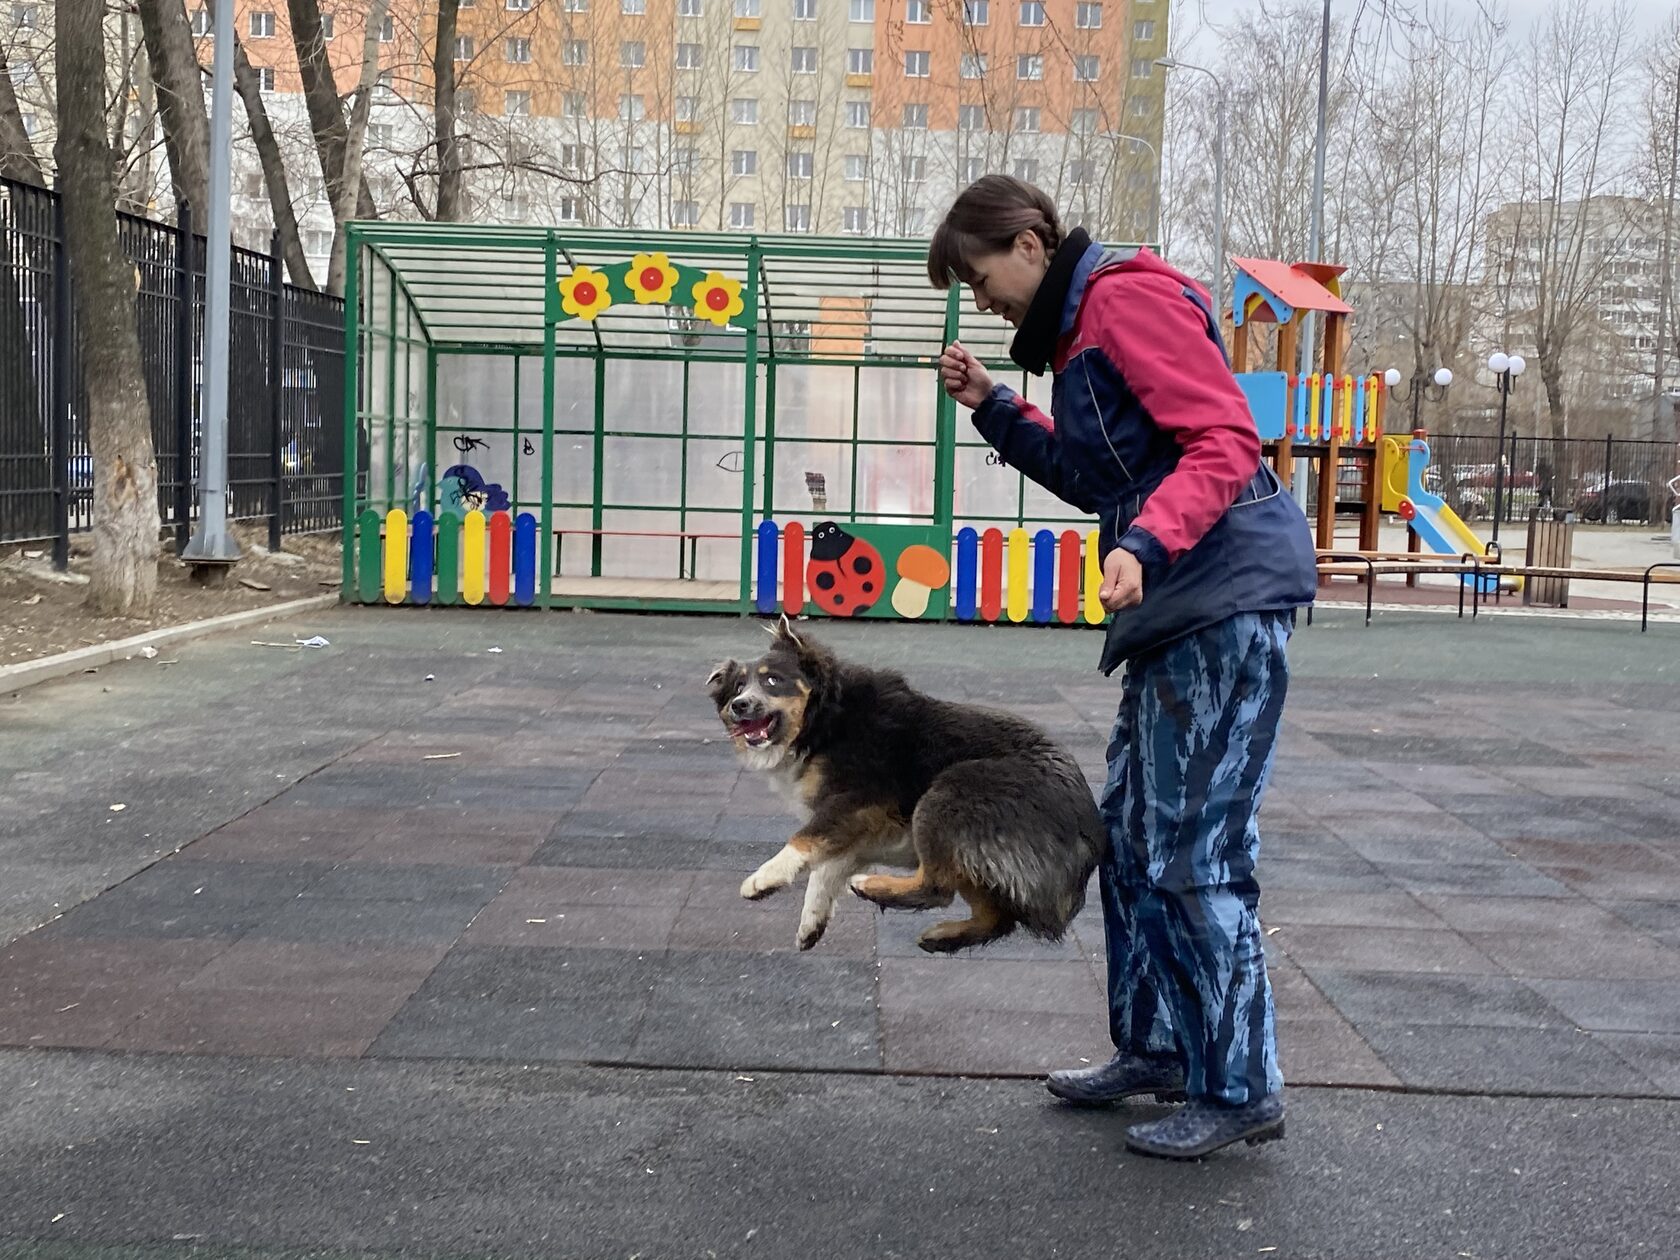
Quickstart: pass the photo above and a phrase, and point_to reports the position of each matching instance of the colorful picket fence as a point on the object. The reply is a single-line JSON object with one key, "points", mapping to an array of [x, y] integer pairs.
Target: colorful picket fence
{"points": [[1044, 577], [471, 559], [1348, 406]]}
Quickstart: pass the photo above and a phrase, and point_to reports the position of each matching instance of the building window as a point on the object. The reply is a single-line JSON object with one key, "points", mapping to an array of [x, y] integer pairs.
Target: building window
{"points": [[318, 242], [746, 58], [862, 10], [1027, 169], [1084, 122], [855, 219], [860, 61], [971, 118], [748, 8], [1032, 12], [685, 213], [974, 65], [798, 218], [519, 6], [575, 6], [328, 26], [516, 104], [1086, 68], [687, 108], [740, 214], [912, 220], [388, 30], [977, 12], [1139, 106], [574, 105], [857, 115], [466, 102], [804, 60], [802, 113], [801, 165], [632, 8], [691, 8], [571, 209], [915, 117], [1088, 17], [27, 17], [857, 168], [1026, 119], [804, 10], [203, 25], [973, 169], [684, 158], [1029, 66], [688, 56], [1142, 67], [571, 158], [743, 162], [916, 65], [265, 78], [262, 24], [632, 54], [519, 50], [914, 168], [918, 12], [1081, 171], [1143, 32], [743, 110], [464, 48], [631, 108], [380, 135]]}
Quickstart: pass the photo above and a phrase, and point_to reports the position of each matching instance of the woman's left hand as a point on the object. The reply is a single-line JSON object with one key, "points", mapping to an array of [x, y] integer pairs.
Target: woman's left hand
{"points": [[1122, 584]]}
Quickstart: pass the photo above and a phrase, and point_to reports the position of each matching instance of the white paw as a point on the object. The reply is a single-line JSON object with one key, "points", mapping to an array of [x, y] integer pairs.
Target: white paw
{"points": [[755, 886], [857, 882], [811, 931]]}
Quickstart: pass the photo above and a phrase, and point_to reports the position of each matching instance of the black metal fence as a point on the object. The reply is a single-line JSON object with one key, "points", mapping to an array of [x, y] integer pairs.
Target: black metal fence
{"points": [[285, 383], [1606, 480]]}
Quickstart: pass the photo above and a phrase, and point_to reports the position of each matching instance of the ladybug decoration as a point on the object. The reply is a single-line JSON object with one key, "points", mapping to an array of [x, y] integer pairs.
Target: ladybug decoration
{"points": [[845, 573]]}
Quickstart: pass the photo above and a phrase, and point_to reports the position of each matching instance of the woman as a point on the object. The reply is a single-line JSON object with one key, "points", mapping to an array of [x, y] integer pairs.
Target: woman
{"points": [[1205, 560]]}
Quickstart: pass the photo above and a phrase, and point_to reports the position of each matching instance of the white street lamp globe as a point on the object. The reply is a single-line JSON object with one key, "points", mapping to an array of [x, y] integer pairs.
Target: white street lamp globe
{"points": [[1518, 364], [1443, 377], [1391, 378], [1499, 363]]}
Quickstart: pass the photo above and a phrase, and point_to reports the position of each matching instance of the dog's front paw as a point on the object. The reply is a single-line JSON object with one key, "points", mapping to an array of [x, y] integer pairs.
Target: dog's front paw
{"points": [[756, 888], [811, 931]]}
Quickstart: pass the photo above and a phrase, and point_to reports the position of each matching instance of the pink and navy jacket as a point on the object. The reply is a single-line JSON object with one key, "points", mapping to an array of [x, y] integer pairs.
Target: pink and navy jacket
{"points": [[1153, 435]]}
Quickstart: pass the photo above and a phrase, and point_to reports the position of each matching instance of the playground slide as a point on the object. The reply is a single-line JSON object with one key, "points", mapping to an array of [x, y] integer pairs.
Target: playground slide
{"points": [[1441, 530]]}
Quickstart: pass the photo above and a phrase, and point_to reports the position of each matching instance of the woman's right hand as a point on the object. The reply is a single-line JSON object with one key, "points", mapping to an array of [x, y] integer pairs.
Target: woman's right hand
{"points": [[963, 377]]}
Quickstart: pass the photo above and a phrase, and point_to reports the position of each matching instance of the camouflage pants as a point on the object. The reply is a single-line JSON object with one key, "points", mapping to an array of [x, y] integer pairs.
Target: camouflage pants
{"points": [[1187, 764]]}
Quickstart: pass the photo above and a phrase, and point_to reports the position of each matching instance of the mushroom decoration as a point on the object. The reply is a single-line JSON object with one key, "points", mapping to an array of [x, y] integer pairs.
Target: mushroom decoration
{"points": [[921, 571]]}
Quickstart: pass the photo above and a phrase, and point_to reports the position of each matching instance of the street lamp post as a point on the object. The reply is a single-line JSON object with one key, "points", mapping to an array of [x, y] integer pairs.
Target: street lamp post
{"points": [[1422, 385], [1505, 368], [1173, 63]]}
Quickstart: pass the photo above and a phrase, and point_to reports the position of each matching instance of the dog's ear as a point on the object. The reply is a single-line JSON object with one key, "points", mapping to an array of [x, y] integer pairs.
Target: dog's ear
{"points": [[723, 679], [784, 633]]}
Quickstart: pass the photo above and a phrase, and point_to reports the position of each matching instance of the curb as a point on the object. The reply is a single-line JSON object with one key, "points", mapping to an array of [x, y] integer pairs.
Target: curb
{"points": [[15, 678]]}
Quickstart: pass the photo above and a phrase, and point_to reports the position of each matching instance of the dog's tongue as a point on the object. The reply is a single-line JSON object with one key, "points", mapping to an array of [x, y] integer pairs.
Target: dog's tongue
{"points": [[759, 726]]}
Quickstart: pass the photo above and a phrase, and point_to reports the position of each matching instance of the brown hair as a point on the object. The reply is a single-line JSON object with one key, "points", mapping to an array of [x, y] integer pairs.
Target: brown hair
{"points": [[986, 218]]}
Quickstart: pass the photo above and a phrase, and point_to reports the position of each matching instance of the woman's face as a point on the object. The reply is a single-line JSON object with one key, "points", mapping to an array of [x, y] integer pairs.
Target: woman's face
{"points": [[1004, 283]]}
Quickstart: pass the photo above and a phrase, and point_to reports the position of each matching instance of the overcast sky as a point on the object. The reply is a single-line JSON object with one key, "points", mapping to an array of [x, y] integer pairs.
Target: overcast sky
{"points": [[1192, 15]]}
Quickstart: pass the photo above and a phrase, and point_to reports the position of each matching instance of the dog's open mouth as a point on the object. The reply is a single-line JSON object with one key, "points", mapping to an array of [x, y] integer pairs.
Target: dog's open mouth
{"points": [[757, 732]]}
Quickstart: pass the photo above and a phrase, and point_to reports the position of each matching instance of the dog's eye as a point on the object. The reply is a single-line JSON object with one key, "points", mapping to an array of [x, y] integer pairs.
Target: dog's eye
{"points": [[770, 680]]}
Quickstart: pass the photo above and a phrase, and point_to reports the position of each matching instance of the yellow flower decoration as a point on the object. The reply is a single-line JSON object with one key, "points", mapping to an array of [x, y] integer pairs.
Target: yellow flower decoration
{"points": [[651, 278], [718, 298], [584, 293]]}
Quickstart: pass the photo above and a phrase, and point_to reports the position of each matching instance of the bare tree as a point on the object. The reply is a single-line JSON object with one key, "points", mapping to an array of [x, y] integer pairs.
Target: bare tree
{"points": [[180, 98], [17, 151], [125, 502], [449, 185], [273, 164]]}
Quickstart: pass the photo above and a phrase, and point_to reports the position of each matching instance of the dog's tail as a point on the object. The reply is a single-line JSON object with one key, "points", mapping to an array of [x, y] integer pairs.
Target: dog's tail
{"points": [[1024, 830]]}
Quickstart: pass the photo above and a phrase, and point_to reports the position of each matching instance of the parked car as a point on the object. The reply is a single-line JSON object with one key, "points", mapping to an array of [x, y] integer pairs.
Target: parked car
{"points": [[1620, 501]]}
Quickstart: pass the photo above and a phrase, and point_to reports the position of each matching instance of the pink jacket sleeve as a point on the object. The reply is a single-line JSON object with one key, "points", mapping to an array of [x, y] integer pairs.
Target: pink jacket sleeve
{"points": [[1158, 339]]}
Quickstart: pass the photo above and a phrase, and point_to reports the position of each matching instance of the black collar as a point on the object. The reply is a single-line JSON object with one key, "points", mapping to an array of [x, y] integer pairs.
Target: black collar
{"points": [[1041, 327]]}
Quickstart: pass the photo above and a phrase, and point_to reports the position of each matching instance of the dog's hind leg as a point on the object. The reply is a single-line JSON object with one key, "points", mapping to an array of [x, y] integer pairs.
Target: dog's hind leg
{"points": [[828, 878], [780, 871], [987, 921], [902, 892]]}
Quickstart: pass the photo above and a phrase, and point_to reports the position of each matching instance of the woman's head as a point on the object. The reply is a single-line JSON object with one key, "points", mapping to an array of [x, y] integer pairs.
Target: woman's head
{"points": [[997, 238]]}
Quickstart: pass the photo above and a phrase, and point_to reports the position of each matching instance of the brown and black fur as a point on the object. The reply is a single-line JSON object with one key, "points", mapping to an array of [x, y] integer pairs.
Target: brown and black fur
{"points": [[983, 805]]}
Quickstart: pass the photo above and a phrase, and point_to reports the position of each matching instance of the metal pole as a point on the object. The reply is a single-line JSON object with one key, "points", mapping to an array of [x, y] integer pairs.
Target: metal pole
{"points": [[212, 548], [1499, 455], [63, 388], [1315, 242], [1662, 411], [186, 306], [1219, 213], [276, 392]]}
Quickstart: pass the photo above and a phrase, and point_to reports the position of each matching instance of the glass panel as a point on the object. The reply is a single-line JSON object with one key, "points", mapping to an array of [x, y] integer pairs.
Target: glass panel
{"points": [[643, 471], [644, 396], [895, 483], [813, 401], [898, 403], [797, 460], [717, 397], [715, 475]]}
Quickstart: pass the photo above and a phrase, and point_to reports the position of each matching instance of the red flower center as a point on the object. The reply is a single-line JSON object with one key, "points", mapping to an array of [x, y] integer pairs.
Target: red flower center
{"points": [[653, 279], [717, 299], [584, 293]]}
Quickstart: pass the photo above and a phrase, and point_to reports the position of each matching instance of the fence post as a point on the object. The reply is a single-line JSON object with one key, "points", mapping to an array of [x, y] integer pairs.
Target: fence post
{"points": [[1609, 454], [63, 388], [276, 400], [185, 310], [1510, 472]]}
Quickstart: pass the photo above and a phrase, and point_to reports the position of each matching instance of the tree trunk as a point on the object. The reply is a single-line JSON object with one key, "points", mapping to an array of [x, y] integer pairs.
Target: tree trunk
{"points": [[355, 133], [273, 168], [320, 96], [443, 113], [17, 154], [180, 99], [125, 502]]}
